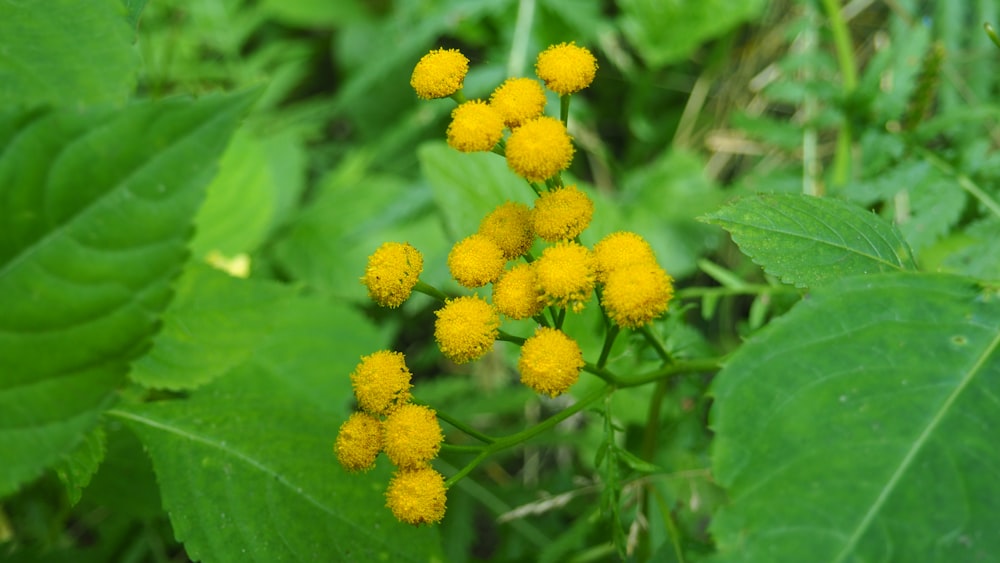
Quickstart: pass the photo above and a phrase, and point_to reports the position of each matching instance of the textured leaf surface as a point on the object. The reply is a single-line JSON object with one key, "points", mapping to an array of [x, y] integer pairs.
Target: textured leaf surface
{"points": [[214, 323], [808, 241], [861, 426], [246, 463], [65, 52], [87, 258]]}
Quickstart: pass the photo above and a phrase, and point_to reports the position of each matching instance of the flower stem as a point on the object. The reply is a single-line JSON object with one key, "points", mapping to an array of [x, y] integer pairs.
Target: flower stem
{"points": [[428, 289], [849, 77], [609, 340], [459, 424], [528, 433], [564, 109]]}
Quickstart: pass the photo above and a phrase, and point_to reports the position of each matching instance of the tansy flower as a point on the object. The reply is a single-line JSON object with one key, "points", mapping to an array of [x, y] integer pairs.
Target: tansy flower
{"points": [[381, 382], [439, 74], [358, 442], [566, 68], [562, 213], [476, 261], [636, 294], [509, 226], [392, 271], [417, 496], [475, 126], [566, 275], [412, 436], [539, 148], [518, 100], [621, 249], [466, 328], [550, 362], [516, 293]]}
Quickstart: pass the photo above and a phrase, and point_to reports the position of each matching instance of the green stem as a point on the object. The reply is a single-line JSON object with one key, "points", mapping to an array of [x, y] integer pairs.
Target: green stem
{"points": [[609, 340], [428, 289], [508, 337], [459, 97], [461, 449], [849, 76], [655, 342], [529, 433], [458, 424], [964, 181], [564, 109], [677, 368], [760, 289]]}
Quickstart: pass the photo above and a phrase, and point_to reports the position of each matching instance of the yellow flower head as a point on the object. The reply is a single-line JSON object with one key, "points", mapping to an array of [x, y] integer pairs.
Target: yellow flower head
{"points": [[439, 74], [412, 436], [392, 272], [539, 149], [509, 226], [516, 293], [476, 261], [417, 496], [566, 68], [550, 362], [562, 214], [636, 294], [475, 126], [381, 382], [358, 442], [566, 275], [621, 249], [518, 100], [466, 328]]}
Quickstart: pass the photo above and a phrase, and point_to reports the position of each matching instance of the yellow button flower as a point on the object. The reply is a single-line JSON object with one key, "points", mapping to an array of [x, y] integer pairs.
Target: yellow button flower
{"points": [[509, 226], [562, 214], [476, 261], [516, 293], [550, 362], [621, 249], [439, 74], [475, 126], [412, 436], [518, 100], [381, 382], [392, 272], [566, 275], [466, 328], [358, 442], [539, 149], [566, 68], [417, 496], [635, 295]]}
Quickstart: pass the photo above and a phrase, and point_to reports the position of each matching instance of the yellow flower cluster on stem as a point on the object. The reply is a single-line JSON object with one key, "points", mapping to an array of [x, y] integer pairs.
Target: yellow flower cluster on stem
{"points": [[531, 255]]}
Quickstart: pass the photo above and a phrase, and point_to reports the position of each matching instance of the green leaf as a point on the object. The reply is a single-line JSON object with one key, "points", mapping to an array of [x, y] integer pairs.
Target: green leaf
{"points": [[215, 323], [809, 241], [257, 179], [78, 467], [246, 464], [65, 53], [667, 32], [861, 426], [467, 186], [87, 258]]}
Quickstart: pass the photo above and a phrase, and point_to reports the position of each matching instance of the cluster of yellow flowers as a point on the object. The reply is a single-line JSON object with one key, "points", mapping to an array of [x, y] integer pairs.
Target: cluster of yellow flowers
{"points": [[408, 433], [621, 269]]}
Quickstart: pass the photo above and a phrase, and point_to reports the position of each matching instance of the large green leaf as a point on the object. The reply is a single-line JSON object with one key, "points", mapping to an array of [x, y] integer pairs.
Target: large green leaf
{"points": [[808, 241], [246, 463], [97, 208], [214, 323], [861, 426], [65, 52]]}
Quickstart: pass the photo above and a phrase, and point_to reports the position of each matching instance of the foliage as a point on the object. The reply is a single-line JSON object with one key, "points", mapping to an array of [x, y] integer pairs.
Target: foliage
{"points": [[190, 191]]}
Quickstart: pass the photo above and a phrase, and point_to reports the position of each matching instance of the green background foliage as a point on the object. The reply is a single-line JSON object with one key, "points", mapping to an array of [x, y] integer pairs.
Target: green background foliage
{"points": [[189, 191]]}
